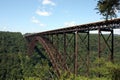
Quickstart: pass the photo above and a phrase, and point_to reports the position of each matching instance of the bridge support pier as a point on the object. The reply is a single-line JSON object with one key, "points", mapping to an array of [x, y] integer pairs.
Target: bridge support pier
{"points": [[84, 42], [108, 43]]}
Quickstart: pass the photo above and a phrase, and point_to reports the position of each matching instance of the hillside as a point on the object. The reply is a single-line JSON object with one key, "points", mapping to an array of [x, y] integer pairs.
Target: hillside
{"points": [[16, 64], [12, 42]]}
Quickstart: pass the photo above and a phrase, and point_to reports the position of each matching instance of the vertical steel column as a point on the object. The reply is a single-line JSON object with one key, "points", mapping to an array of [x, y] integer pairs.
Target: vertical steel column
{"points": [[57, 44], [52, 39], [74, 42], [112, 46], [64, 44], [88, 55], [99, 44], [57, 47], [76, 53], [65, 47], [49, 37]]}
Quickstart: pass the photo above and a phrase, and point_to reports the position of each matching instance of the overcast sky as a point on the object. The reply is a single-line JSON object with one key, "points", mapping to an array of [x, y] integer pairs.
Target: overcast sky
{"points": [[29, 16]]}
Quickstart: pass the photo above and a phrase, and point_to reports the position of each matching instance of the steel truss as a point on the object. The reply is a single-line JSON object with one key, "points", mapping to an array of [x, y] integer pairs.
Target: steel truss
{"points": [[65, 46], [69, 45]]}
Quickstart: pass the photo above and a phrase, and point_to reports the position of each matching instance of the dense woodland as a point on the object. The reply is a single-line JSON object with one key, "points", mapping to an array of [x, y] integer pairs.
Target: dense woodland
{"points": [[15, 64]]}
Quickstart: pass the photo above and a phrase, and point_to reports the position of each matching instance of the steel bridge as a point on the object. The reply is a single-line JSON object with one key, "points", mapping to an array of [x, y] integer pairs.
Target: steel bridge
{"points": [[65, 46]]}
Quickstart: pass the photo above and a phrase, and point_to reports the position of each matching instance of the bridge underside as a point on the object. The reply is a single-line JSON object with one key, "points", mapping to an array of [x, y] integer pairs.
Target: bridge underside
{"points": [[69, 49]]}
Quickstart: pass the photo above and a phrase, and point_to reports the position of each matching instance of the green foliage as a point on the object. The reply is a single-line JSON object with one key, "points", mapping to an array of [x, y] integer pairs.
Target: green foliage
{"points": [[70, 76], [10, 67], [20, 66], [15, 64], [11, 42], [66, 76], [107, 8], [101, 70], [106, 69]]}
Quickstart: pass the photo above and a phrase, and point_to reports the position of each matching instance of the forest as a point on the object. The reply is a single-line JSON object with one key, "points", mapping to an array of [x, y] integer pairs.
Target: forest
{"points": [[15, 64]]}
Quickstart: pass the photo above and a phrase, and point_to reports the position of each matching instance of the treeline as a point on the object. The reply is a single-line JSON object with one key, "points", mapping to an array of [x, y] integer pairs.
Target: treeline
{"points": [[12, 42]]}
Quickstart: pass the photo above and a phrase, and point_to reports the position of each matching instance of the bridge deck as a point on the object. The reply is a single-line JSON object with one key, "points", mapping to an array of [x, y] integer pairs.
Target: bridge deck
{"points": [[114, 24]]}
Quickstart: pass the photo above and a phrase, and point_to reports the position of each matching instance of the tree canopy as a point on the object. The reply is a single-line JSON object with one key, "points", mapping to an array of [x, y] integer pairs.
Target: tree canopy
{"points": [[108, 8]]}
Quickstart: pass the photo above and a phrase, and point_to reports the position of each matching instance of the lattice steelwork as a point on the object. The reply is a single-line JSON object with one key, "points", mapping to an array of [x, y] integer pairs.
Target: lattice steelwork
{"points": [[65, 47]]}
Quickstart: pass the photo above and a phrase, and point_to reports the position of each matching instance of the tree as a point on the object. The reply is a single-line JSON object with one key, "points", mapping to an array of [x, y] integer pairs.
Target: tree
{"points": [[108, 8]]}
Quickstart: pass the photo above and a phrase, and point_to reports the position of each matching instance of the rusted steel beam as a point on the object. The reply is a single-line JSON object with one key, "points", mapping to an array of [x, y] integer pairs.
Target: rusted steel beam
{"points": [[76, 53], [65, 47], [50, 54], [64, 41], [99, 43], [55, 57], [112, 50], [57, 42], [88, 53]]}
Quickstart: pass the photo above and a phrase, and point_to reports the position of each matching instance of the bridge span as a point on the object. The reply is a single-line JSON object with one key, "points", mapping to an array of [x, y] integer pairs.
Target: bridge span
{"points": [[68, 44]]}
